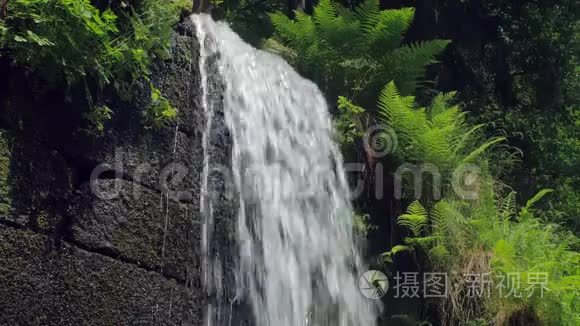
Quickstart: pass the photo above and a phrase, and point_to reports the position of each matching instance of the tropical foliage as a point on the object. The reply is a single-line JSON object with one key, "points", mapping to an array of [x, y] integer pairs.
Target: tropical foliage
{"points": [[73, 42], [486, 235], [529, 265], [352, 53], [538, 107], [439, 134], [488, 216]]}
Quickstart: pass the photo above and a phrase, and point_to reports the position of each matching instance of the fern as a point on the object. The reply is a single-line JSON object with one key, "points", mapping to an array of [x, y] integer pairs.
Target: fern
{"points": [[438, 134], [368, 14], [361, 224], [415, 219], [482, 149], [407, 64], [521, 246], [354, 52], [96, 117], [526, 211], [537, 197], [439, 253], [490, 234], [388, 256], [508, 208]]}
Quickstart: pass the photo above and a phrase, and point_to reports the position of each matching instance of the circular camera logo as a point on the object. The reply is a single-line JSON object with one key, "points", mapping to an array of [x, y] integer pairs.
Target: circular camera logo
{"points": [[373, 284]]}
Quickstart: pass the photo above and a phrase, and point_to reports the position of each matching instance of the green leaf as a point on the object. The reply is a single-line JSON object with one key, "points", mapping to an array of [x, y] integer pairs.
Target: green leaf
{"points": [[482, 148], [537, 197], [20, 39]]}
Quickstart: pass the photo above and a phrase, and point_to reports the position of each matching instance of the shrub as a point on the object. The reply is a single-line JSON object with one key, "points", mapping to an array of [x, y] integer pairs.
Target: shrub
{"points": [[71, 41], [96, 116], [486, 235], [160, 111], [353, 52]]}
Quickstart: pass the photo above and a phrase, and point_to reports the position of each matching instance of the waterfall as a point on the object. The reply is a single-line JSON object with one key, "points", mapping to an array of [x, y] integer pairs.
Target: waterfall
{"points": [[296, 262]]}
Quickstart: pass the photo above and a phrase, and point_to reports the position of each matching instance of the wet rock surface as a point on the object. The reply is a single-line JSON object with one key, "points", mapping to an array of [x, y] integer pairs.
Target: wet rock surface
{"points": [[123, 249], [138, 225], [70, 286]]}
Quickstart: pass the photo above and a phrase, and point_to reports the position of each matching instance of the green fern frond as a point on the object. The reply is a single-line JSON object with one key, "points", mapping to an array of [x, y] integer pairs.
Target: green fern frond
{"points": [[297, 33], [284, 26], [526, 211], [482, 148], [439, 254], [405, 15], [368, 13], [305, 27], [448, 117], [504, 253], [425, 51], [398, 112], [400, 248], [423, 242], [470, 134], [390, 103], [440, 103], [412, 59], [415, 223], [348, 14], [334, 37], [325, 12], [416, 208], [537, 197], [388, 256], [508, 208], [387, 30], [333, 29], [415, 219]]}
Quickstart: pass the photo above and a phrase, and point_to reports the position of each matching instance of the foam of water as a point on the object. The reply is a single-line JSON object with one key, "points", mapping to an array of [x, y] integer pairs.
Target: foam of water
{"points": [[298, 264]]}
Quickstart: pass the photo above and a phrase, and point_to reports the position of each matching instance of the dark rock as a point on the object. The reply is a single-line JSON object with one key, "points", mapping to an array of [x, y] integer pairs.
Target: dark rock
{"points": [[158, 159], [68, 256], [75, 287], [164, 160], [35, 181], [139, 225], [178, 80]]}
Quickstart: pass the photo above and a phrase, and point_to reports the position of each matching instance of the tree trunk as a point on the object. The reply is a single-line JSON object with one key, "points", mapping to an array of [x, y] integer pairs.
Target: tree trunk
{"points": [[3, 8]]}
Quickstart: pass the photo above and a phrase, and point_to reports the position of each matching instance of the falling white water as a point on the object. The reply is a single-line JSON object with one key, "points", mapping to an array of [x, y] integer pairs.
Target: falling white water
{"points": [[212, 269], [205, 203], [298, 264]]}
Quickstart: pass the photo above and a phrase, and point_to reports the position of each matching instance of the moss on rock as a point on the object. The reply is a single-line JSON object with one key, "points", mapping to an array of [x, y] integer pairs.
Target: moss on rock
{"points": [[5, 189]]}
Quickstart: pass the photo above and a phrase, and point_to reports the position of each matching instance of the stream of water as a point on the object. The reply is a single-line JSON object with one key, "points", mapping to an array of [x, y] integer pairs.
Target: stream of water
{"points": [[297, 263]]}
